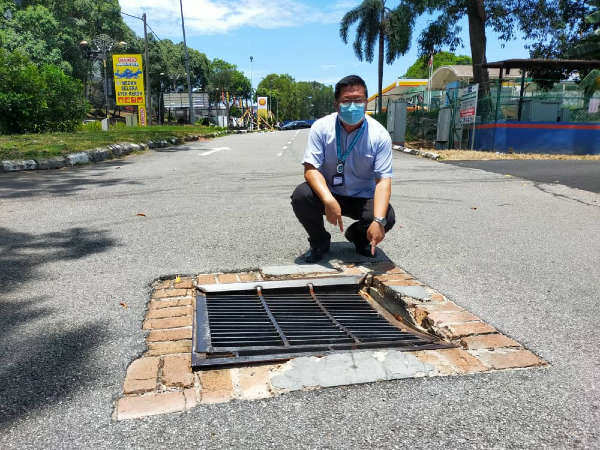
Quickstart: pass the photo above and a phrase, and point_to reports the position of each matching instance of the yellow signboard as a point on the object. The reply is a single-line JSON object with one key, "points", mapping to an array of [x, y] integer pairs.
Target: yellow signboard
{"points": [[129, 80], [262, 107]]}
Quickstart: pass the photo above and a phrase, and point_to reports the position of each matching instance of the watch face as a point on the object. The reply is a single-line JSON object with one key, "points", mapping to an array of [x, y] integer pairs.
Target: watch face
{"points": [[381, 220]]}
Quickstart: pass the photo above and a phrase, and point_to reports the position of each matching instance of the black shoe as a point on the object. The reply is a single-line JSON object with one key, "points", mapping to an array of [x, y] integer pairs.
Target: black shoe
{"points": [[365, 250], [315, 254], [361, 248]]}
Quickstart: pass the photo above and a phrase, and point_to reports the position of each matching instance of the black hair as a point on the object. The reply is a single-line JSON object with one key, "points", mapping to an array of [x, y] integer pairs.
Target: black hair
{"points": [[350, 80]]}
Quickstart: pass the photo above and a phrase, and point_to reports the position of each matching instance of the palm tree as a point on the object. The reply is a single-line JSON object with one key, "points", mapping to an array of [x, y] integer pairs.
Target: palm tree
{"points": [[378, 24]]}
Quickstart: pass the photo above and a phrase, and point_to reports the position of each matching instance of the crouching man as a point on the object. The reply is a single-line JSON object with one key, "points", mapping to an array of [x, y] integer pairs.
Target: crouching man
{"points": [[348, 172]]}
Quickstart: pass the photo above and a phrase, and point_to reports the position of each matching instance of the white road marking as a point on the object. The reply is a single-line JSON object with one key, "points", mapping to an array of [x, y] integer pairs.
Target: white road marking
{"points": [[289, 142], [214, 150], [285, 146], [279, 154]]}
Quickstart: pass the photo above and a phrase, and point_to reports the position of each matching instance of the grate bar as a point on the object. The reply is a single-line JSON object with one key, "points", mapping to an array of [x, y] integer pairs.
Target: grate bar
{"points": [[328, 314], [270, 314]]}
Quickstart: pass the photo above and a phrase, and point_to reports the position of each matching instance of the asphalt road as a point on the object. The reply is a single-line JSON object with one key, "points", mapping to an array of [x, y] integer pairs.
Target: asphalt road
{"points": [[523, 256], [577, 174]]}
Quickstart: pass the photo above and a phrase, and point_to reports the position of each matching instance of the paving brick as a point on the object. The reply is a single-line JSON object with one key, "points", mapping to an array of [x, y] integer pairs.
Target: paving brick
{"points": [[384, 267], [250, 276], [437, 297], [438, 318], [174, 311], [169, 347], [394, 277], [184, 283], [167, 293], [255, 382], [139, 386], [509, 359], [403, 283], [352, 271], [227, 278], [143, 369], [395, 270], [488, 341], [440, 306], [191, 399], [177, 371], [173, 334], [465, 329], [450, 361], [168, 322], [159, 304], [164, 284], [216, 386], [206, 279], [150, 404]]}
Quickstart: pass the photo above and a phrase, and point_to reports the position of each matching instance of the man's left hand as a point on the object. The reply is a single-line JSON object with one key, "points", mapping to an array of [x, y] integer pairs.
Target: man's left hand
{"points": [[375, 235]]}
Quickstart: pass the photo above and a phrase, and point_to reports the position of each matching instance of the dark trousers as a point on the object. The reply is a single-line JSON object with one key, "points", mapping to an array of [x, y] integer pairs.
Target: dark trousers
{"points": [[309, 210]]}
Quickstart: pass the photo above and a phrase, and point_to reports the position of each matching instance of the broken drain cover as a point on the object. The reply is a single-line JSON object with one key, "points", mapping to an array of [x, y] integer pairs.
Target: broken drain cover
{"points": [[242, 323]]}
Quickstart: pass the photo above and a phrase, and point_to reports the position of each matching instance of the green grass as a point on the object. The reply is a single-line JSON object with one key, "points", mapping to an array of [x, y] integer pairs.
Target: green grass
{"points": [[48, 145]]}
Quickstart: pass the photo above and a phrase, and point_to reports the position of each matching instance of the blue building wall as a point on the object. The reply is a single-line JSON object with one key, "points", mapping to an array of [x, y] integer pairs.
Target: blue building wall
{"points": [[539, 137]]}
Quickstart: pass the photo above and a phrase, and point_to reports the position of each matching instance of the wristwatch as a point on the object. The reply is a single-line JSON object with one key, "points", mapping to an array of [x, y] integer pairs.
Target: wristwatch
{"points": [[380, 220]]}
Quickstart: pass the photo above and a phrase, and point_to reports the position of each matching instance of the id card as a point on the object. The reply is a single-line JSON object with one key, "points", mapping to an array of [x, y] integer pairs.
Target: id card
{"points": [[338, 180]]}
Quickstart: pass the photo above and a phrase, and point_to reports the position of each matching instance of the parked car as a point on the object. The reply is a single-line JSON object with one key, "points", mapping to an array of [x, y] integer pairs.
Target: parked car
{"points": [[296, 125], [412, 107]]}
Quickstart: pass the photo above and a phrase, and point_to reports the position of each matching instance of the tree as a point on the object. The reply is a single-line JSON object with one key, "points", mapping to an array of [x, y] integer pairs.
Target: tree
{"points": [[420, 68], [294, 100], [589, 48], [378, 24], [225, 79], [36, 100]]}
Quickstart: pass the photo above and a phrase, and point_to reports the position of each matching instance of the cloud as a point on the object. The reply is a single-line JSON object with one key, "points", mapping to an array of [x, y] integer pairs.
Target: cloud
{"points": [[328, 66], [214, 16]]}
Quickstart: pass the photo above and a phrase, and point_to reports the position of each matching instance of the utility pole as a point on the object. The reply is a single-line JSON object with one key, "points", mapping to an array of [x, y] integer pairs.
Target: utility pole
{"points": [[187, 69], [147, 75]]}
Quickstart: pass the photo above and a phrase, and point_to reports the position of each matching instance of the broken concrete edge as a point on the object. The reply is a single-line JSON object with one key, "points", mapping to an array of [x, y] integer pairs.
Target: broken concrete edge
{"points": [[96, 155], [161, 380], [412, 151]]}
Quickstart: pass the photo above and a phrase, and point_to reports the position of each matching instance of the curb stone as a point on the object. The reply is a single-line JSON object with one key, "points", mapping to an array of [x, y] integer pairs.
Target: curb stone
{"points": [[98, 154], [424, 154]]}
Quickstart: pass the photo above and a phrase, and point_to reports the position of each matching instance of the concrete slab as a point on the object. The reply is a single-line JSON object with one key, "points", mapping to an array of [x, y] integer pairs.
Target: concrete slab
{"points": [[417, 292], [340, 369], [296, 269]]}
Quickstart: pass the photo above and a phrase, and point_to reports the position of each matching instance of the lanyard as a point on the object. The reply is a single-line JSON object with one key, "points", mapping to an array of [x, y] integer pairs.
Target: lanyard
{"points": [[338, 132]]}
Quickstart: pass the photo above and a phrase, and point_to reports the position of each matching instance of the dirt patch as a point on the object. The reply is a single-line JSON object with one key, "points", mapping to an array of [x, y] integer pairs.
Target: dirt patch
{"points": [[462, 155]]}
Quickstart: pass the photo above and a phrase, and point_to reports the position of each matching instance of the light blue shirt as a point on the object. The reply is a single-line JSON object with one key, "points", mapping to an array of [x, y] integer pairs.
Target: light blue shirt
{"points": [[369, 160]]}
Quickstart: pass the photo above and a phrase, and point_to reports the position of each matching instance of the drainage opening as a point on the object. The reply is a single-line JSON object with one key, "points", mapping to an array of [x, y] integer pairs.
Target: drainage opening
{"points": [[244, 323]]}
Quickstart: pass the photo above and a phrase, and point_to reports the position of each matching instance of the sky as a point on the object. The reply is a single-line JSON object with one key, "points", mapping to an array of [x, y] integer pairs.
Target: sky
{"points": [[296, 37]]}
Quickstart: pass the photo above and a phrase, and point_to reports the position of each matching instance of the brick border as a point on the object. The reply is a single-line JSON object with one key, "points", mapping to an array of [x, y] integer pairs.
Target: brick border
{"points": [[162, 380]]}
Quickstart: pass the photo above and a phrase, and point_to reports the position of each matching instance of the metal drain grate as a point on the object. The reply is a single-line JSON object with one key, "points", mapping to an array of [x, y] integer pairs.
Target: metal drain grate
{"points": [[268, 321]]}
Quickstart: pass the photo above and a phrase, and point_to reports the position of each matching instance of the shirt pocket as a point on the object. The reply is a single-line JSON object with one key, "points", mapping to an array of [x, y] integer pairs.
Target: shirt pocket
{"points": [[364, 163]]}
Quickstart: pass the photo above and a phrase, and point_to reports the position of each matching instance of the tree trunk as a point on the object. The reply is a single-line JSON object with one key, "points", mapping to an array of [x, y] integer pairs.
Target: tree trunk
{"points": [[476, 15], [380, 68]]}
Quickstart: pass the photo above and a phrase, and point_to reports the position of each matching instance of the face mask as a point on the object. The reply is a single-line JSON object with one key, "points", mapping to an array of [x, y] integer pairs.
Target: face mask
{"points": [[351, 113]]}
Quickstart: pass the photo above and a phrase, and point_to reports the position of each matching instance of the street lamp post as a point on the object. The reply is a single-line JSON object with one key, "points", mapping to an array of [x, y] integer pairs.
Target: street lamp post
{"points": [[100, 48], [251, 106], [187, 69]]}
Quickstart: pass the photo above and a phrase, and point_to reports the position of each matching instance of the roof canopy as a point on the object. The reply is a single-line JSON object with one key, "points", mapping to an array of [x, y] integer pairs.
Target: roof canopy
{"points": [[448, 74], [543, 64]]}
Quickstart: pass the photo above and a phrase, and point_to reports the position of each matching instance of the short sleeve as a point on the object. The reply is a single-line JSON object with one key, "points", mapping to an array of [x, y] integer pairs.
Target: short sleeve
{"points": [[315, 148], [383, 157]]}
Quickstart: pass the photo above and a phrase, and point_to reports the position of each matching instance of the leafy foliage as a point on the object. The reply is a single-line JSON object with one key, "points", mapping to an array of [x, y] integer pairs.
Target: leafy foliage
{"points": [[34, 100], [420, 68], [377, 24], [296, 100]]}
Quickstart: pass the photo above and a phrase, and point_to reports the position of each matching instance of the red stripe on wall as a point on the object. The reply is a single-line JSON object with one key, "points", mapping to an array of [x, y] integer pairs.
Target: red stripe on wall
{"points": [[552, 126]]}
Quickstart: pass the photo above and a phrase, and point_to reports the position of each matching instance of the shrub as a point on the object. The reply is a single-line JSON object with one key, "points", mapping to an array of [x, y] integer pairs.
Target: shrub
{"points": [[34, 100]]}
